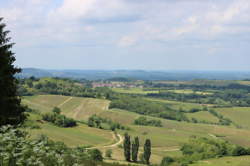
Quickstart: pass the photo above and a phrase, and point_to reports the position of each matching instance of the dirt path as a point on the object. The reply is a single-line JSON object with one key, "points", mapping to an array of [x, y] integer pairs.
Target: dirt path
{"points": [[67, 100], [112, 145], [117, 143]]}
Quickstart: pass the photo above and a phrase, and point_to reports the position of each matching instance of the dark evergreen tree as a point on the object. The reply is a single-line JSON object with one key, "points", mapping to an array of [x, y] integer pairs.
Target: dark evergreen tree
{"points": [[11, 111], [127, 147], [147, 151], [135, 149]]}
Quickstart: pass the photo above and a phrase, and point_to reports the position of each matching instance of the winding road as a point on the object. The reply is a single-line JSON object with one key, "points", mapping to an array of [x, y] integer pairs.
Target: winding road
{"points": [[112, 145]]}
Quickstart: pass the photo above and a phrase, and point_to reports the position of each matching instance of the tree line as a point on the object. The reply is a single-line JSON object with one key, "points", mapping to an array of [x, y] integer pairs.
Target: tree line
{"points": [[131, 150], [99, 122], [146, 107]]}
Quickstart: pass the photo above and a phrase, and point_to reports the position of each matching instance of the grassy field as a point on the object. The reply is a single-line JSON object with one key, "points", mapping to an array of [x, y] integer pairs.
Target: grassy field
{"points": [[74, 107], [189, 91], [239, 115], [166, 140], [177, 105], [225, 161], [133, 91], [82, 135], [203, 116]]}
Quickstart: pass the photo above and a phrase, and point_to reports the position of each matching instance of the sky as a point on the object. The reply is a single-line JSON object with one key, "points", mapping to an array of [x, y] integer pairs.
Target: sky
{"points": [[130, 34]]}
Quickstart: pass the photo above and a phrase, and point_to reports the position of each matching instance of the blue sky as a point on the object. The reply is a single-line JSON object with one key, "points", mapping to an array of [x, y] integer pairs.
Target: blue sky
{"points": [[130, 34]]}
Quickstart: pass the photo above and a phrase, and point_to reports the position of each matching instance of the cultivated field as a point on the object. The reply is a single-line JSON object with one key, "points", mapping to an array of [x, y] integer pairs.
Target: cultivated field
{"points": [[166, 140], [82, 135], [74, 107]]}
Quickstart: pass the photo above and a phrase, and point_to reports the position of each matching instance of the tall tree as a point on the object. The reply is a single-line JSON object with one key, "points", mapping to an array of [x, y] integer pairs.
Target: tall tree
{"points": [[11, 111], [147, 151], [135, 149], [127, 147]]}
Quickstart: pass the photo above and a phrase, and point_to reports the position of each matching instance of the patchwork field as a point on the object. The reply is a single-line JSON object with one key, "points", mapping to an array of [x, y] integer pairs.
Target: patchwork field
{"points": [[166, 140], [74, 107]]}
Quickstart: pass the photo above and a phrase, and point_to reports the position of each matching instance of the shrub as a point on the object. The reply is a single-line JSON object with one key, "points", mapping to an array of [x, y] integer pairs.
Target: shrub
{"points": [[108, 153], [96, 155]]}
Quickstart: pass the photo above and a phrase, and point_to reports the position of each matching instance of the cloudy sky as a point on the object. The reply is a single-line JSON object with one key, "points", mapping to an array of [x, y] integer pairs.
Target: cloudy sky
{"points": [[130, 34]]}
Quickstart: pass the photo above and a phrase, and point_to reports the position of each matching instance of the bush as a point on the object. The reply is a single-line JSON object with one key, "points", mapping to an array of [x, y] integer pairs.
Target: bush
{"points": [[108, 153], [145, 122], [96, 155], [17, 149], [166, 161], [59, 120]]}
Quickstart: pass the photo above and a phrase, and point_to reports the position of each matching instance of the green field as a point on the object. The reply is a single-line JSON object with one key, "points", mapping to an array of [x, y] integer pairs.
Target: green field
{"points": [[82, 135], [178, 105], [203, 116], [74, 107], [239, 115], [133, 91], [166, 140], [189, 91], [225, 161]]}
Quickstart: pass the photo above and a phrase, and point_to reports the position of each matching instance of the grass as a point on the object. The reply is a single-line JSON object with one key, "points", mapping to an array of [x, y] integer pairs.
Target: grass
{"points": [[75, 107], [225, 161], [190, 91], [133, 91], [164, 139], [239, 115], [82, 135], [203, 116], [177, 104]]}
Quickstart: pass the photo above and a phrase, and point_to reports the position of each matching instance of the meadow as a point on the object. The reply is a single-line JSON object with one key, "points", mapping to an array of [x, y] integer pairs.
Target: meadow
{"points": [[166, 140], [225, 161], [73, 107]]}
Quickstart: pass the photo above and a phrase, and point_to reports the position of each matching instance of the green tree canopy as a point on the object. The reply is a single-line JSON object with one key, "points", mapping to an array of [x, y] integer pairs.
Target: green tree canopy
{"points": [[11, 111]]}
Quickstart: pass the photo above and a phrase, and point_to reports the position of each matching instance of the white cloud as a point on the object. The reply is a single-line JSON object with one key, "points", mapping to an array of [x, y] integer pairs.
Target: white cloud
{"points": [[75, 8], [127, 41], [75, 20]]}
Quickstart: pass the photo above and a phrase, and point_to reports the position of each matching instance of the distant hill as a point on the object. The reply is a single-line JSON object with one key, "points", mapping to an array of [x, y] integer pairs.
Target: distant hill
{"points": [[135, 74]]}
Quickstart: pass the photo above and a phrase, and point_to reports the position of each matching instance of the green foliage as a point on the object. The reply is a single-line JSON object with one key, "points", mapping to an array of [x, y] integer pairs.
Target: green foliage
{"points": [[97, 121], [127, 147], [145, 107], [147, 151], [135, 149], [222, 120], [56, 110], [166, 161], [60, 86], [16, 149], [225, 95], [96, 155], [204, 148], [11, 111], [145, 122], [58, 119], [108, 153]]}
